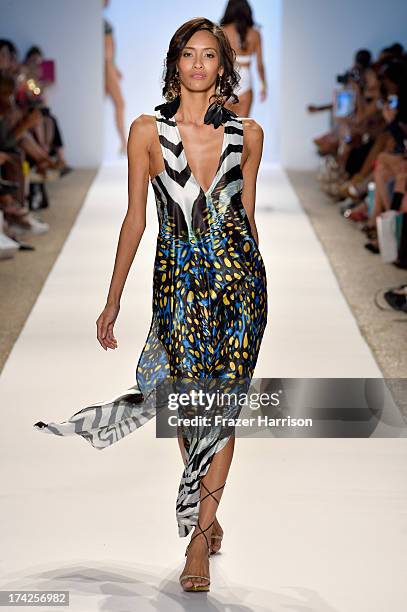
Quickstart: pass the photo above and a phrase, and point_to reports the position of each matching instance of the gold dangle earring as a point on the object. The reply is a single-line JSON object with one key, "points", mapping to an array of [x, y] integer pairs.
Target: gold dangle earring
{"points": [[219, 90], [174, 88]]}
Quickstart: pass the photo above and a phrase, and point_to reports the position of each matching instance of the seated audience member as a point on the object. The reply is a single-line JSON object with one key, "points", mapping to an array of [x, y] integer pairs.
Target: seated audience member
{"points": [[375, 134], [12, 130], [389, 159], [362, 80], [371, 149], [49, 137], [24, 120]]}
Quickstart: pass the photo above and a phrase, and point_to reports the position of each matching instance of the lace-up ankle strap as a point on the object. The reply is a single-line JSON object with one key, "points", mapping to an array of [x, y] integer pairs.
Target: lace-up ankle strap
{"points": [[211, 493], [202, 532]]}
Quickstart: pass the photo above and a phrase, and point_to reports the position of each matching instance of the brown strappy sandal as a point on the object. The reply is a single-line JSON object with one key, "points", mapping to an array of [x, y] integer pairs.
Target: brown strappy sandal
{"points": [[183, 577]]}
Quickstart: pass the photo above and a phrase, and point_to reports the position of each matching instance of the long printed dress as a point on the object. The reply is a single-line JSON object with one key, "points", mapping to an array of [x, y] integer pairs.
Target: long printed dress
{"points": [[209, 309]]}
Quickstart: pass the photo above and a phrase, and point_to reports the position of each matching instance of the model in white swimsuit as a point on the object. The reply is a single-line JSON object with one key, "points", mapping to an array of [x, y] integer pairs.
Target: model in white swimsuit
{"points": [[243, 66]]}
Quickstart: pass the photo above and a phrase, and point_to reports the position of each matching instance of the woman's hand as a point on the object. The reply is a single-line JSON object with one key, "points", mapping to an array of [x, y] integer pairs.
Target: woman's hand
{"points": [[105, 325]]}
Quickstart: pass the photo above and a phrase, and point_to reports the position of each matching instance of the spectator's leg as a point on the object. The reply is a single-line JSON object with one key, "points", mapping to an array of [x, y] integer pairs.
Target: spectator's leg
{"points": [[386, 167], [113, 89], [39, 134], [399, 189], [48, 133], [384, 142], [32, 148], [382, 176], [12, 170], [57, 146]]}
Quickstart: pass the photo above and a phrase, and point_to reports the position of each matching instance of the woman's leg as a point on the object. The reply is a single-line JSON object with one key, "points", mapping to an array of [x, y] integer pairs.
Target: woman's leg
{"points": [[216, 529], [380, 190], [31, 147], [380, 144], [12, 170], [400, 183], [182, 448], [211, 492], [113, 89], [386, 168], [57, 144], [39, 132], [49, 133]]}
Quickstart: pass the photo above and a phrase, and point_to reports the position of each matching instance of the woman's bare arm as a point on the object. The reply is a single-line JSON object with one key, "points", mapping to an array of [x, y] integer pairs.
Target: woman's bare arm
{"points": [[134, 223], [253, 143], [133, 226]]}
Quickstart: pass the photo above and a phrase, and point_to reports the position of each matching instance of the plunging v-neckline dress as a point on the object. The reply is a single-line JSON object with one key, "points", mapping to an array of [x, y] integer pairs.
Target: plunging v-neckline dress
{"points": [[209, 308]]}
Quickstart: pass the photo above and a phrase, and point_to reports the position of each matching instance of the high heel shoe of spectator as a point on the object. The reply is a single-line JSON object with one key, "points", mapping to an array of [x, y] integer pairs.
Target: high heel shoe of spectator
{"points": [[348, 203], [49, 169], [47, 176], [66, 170], [28, 224], [357, 214], [373, 246], [332, 189], [357, 191], [330, 172], [348, 189], [344, 189], [14, 209], [335, 191], [63, 167]]}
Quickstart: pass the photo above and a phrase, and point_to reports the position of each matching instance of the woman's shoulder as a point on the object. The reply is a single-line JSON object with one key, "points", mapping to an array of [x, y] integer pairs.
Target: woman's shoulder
{"points": [[253, 133], [142, 127], [251, 126], [143, 122]]}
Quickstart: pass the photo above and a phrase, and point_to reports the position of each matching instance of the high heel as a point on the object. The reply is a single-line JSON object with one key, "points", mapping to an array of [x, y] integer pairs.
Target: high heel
{"points": [[372, 247], [355, 215], [216, 537], [184, 577]]}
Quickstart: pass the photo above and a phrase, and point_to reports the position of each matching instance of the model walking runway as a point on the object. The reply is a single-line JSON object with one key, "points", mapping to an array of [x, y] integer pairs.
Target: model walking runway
{"points": [[209, 304]]}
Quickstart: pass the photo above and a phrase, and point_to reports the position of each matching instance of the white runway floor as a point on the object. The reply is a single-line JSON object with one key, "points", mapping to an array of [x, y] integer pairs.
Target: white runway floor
{"points": [[316, 525]]}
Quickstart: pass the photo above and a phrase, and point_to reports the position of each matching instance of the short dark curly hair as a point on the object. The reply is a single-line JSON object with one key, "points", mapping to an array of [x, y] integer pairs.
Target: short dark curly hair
{"points": [[231, 77]]}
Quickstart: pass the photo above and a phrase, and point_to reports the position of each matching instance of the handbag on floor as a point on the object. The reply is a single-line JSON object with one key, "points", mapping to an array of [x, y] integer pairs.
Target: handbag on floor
{"points": [[387, 235], [397, 298]]}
